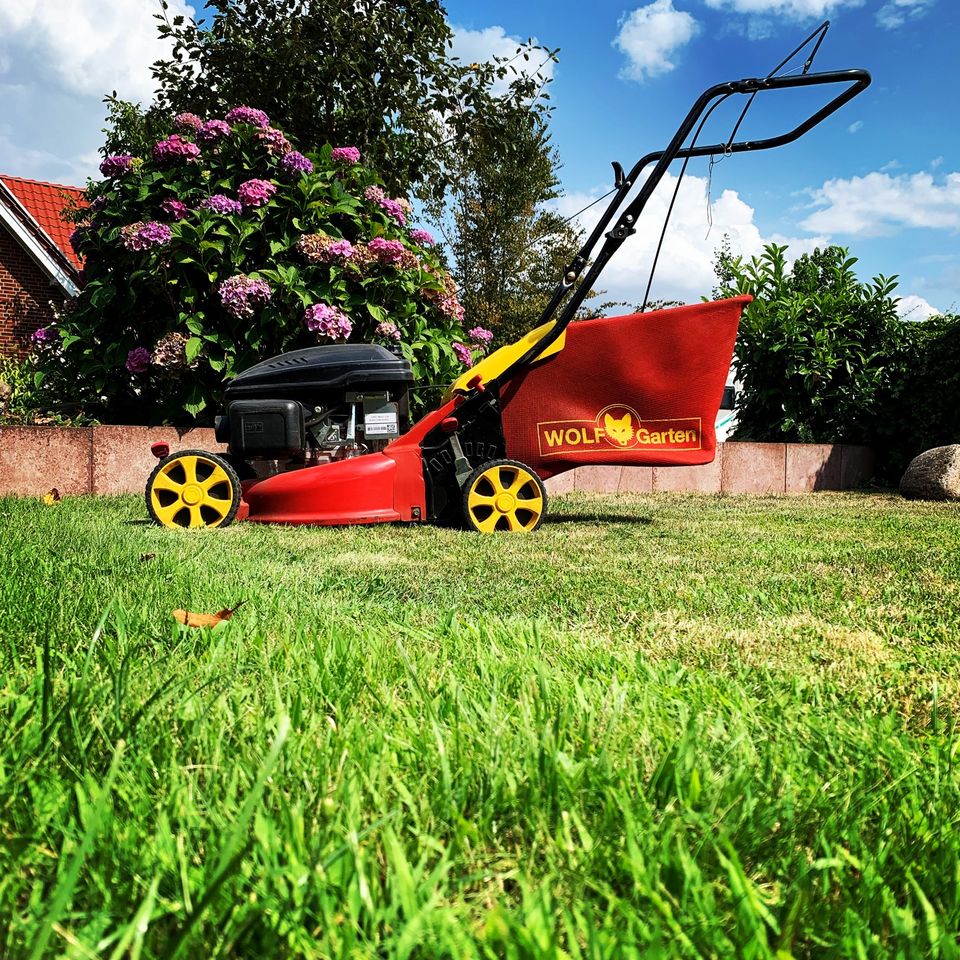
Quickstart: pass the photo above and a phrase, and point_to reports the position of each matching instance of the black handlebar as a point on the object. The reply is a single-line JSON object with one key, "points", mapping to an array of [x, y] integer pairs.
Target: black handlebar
{"points": [[855, 81]]}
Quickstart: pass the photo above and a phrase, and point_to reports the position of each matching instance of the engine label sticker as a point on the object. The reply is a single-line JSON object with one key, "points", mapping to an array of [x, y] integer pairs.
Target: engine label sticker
{"points": [[618, 428], [381, 424]]}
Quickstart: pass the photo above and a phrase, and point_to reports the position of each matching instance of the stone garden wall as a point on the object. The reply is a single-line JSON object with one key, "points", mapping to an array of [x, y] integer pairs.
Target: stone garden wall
{"points": [[109, 460]]}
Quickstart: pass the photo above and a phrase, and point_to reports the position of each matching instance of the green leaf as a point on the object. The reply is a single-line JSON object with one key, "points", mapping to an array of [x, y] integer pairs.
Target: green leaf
{"points": [[193, 348]]}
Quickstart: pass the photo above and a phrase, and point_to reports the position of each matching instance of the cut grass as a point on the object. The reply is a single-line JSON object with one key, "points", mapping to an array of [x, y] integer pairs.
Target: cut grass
{"points": [[661, 726]]}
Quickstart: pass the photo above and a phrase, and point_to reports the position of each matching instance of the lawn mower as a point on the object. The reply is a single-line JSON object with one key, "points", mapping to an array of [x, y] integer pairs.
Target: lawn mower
{"points": [[322, 435]]}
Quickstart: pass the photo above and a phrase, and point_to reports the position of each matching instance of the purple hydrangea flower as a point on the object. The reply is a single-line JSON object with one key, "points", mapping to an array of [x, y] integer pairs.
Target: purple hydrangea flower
{"points": [[256, 118], [463, 353], [138, 359], [389, 330], [294, 162], [480, 336], [347, 155], [328, 321], [174, 208], [393, 208], [255, 193], [424, 238], [241, 295], [41, 336], [386, 251], [116, 165], [98, 204], [145, 236], [213, 130], [187, 122], [221, 203], [175, 148]]}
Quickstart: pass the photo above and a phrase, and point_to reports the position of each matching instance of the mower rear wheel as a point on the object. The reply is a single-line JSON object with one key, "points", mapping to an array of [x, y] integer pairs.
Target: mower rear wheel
{"points": [[193, 489], [504, 495]]}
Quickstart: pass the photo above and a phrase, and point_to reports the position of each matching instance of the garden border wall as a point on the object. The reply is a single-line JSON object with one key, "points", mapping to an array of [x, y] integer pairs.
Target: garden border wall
{"points": [[111, 460]]}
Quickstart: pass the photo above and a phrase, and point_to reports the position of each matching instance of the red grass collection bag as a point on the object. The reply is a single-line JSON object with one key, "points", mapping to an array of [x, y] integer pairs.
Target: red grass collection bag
{"points": [[638, 390]]}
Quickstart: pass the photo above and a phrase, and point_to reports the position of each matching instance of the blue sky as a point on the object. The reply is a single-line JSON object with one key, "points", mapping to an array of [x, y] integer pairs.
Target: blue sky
{"points": [[882, 176]]}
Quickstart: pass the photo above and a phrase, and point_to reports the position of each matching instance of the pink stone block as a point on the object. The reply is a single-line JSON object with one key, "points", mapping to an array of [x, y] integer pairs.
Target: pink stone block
{"points": [[636, 480], [812, 466], [857, 466], [122, 460], [34, 460], [754, 468], [702, 479], [560, 484], [597, 479]]}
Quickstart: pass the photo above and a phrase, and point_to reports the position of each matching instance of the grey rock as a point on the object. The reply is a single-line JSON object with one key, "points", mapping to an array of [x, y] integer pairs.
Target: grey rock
{"points": [[933, 475]]}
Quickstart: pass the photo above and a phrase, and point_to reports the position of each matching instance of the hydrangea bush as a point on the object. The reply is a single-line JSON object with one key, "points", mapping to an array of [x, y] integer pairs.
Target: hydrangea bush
{"points": [[226, 246]]}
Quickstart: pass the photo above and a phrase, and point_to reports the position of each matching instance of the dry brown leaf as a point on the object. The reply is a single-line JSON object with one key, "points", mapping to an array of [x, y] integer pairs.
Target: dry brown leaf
{"points": [[144, 557], [189, 619], [51, 497]]}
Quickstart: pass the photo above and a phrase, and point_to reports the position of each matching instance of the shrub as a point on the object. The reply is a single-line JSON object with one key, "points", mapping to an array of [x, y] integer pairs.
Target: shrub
{"points": [[226, 246], [818, 352]]}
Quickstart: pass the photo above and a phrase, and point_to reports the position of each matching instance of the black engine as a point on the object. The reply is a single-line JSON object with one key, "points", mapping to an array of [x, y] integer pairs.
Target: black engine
{"points": [[318, 404]]}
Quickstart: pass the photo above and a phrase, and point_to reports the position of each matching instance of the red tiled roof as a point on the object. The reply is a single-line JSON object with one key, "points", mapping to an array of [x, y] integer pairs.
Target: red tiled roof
{"points": [[45, 203]]}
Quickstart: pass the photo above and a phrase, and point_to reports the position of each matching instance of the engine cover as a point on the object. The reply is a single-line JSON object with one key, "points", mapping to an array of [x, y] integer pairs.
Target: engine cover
{"points": [[323, 373]]}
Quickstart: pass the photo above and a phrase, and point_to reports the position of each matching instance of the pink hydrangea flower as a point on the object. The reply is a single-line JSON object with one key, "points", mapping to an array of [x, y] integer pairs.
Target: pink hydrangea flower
{"points": [[41, 335], [138, 359], [274, 141], [480, 336], [387, 329], [256, 118], [386, 251], [255, 193], [347, 155], [242, 295], [321, 248], [175, 148], [187, 121], [145, 236], [463, 353], [328, 321], [213, 130], [116, 165], [423, 237], [392, 208], [174, 208]]}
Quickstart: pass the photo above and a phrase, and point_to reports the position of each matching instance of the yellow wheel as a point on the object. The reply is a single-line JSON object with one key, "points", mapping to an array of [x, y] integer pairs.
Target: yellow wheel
{"points": [[504, 495], [193, 489]]}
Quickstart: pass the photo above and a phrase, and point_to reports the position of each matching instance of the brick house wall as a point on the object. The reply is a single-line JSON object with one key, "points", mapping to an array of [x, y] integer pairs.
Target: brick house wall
{"points": [[25, 296]]}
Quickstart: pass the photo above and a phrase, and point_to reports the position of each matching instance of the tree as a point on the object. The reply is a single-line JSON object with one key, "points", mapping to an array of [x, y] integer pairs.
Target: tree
{"points": [[372, 74], [818, 351], [509, 248]]}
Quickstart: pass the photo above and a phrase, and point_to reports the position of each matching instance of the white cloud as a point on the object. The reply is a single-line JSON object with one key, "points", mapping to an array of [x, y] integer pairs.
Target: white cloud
{"points": [[794, 9], [685, 269], [650, 35], [913, 307], [855, 126], [480, 46], [58, 60], [895, 13], [91, 46], [879, 204]]}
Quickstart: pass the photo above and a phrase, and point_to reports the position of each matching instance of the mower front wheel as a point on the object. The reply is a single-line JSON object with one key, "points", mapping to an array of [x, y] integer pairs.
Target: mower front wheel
{"points": [[504, 495], [193, 489]]}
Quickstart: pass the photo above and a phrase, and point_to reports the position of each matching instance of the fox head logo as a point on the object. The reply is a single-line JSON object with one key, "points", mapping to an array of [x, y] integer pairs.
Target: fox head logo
{"points": [[619, 430]]}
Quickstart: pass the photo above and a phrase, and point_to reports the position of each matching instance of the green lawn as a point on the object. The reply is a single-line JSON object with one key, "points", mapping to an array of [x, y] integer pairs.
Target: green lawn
{"points": [[665, 726]]}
